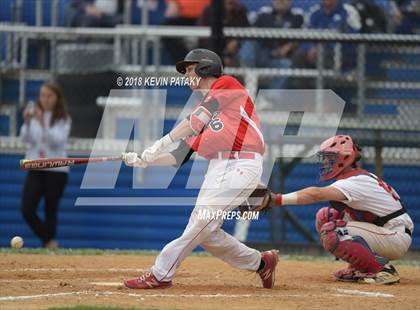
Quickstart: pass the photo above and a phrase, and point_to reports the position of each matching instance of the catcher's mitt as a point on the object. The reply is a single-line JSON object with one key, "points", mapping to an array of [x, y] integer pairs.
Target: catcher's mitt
{"points": [[261, 199]]}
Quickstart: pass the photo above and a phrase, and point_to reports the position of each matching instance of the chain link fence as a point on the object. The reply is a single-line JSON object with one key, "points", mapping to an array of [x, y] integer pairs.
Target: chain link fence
{"points": [[380, 91]]}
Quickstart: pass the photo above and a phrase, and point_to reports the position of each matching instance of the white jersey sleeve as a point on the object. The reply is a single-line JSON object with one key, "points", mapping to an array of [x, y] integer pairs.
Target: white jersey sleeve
{"points": [[352, 190]]}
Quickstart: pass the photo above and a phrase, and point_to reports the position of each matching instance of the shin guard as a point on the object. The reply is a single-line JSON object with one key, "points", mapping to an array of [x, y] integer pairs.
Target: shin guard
{"points": [[352, 249]]}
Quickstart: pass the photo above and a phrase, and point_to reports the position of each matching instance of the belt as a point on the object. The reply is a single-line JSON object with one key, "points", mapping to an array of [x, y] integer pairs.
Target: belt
{"points": [[407, 231], [235, 155]]}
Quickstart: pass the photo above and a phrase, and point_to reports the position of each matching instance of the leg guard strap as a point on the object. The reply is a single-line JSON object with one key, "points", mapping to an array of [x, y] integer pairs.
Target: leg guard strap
{"points": [[325, 215]]}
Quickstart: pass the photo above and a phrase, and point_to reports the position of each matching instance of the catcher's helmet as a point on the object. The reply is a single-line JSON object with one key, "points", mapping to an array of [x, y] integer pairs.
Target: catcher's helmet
{"points": [[208, 63], [336, 154]]}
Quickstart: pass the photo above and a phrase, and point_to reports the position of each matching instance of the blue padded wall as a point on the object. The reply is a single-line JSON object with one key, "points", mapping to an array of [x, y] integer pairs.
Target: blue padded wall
{"points": [[151, 227]]}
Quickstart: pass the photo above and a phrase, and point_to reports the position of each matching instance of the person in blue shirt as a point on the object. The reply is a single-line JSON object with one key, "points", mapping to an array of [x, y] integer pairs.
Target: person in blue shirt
{"points": [[406, 15], [334, 15], [276, 53], [94, 13]]}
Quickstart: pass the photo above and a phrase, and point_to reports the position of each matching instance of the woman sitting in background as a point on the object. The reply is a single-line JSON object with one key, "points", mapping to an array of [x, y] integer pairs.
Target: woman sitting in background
{"points": [[45, 130]]}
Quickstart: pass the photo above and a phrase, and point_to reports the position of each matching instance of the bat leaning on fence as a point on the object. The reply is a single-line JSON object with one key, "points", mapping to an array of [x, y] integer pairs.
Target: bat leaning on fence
{"points": [[33, 164]]}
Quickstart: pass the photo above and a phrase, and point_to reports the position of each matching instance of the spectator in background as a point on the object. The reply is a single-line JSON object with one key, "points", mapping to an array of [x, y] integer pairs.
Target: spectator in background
{"points": [[372, 16], [332, 15], [181, 13], [45, 130], [95, 13], [235, 15], [406, 16], [274, 53]]}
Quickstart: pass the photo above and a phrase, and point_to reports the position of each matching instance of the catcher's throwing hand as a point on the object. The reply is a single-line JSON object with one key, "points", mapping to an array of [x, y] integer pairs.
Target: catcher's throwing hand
{"points": [[151, 153], [132, 159], [261, 199]]}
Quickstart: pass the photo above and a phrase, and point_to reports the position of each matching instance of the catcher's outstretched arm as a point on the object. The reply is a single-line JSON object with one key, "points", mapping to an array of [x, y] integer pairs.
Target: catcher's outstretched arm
{"points": [[309, 195], [263, 199]]}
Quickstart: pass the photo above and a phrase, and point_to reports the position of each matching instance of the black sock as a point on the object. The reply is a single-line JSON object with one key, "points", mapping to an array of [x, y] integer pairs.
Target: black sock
{"points": [[262, 265]]}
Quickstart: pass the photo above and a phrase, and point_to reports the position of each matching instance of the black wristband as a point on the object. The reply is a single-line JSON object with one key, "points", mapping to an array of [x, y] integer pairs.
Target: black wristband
{"points": [[182, 153]]}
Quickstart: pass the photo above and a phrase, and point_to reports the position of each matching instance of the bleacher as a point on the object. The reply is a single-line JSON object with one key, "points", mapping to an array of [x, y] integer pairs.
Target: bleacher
{"points": [[7, 8], [155, 17], [384, 71]]}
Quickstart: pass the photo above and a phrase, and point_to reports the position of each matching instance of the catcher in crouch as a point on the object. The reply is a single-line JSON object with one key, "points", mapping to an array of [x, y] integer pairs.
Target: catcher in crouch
{"points": [[366, 223]]}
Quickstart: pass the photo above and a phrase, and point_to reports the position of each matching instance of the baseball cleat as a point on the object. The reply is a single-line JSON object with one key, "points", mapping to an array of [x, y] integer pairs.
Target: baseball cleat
{"points": [[146, 281], [352, 275], [386, 276], [346, 275], [268, 273], [389, 275]]}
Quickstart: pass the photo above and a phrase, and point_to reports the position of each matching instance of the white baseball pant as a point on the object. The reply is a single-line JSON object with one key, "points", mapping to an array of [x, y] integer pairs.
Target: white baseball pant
{"points": [[391, 244], [226, 185]]}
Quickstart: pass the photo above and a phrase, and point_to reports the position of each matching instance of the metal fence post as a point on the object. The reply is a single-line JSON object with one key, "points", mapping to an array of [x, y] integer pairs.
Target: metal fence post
{"points": [[53, 56], [337, 57], [17, 11], [54, 13], [117, 51], [9, 52], [38, 13], [16, 40], [53, 43], [361, 79], [283, 213], [135, 51], [320, 56], [144, 39], [127, 12], [156, 53], [379, 164], [320, 66], [22, 72], [129, 44], [144, 13], [143, 56], [251, 84]]}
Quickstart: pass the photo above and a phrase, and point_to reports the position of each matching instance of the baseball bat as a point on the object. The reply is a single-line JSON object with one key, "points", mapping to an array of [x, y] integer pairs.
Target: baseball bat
{"points": [[34, 164]]}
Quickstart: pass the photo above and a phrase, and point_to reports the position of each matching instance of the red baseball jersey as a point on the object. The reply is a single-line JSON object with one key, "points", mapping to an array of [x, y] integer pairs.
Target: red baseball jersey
{"points": [[234, 124]]}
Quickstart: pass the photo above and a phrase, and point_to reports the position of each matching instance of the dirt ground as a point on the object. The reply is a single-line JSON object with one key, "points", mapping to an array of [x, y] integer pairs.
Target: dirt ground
{"points": [[34, 281]]}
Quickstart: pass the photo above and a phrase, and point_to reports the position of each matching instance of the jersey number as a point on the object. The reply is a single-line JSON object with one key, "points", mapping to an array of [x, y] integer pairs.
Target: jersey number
{"points": [[388, 189], [216, 123]]}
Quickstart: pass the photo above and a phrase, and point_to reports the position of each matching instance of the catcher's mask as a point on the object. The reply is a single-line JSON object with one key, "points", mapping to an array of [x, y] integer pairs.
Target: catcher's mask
{"points": [[208, 63], [336, 154]]}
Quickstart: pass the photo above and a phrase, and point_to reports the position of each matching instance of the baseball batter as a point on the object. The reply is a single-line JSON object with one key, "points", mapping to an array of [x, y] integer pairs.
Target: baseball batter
{"points": [[224, 129], [366, 224]]}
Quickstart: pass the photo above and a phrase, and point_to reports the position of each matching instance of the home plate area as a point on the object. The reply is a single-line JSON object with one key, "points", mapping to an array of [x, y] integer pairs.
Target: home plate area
{"points": [[39, 281]]}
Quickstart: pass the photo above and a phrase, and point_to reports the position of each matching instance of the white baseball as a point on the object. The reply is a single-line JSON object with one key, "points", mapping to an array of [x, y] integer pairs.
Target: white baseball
{"points": [[16, 242]]}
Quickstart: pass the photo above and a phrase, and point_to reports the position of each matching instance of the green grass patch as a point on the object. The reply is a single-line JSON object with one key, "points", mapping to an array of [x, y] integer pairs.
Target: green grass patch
{"points": [[286, 257], [63, 251], [97, 308]]}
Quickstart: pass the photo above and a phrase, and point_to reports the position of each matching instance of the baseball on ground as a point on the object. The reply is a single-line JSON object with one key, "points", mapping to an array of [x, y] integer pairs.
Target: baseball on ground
{"points": [[16, 242]]}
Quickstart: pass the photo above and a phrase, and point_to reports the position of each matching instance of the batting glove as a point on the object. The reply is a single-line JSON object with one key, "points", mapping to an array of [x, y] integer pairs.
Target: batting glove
{"points": [[132, 159], [151, 153]]}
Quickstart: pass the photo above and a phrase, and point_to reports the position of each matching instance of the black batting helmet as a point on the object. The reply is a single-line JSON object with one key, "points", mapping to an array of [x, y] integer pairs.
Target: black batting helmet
{"points": [[208, 63]]}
